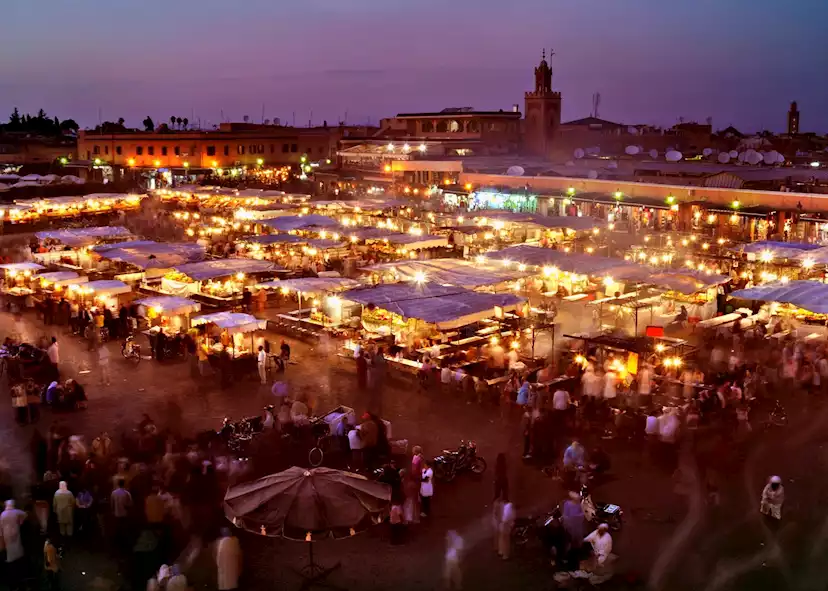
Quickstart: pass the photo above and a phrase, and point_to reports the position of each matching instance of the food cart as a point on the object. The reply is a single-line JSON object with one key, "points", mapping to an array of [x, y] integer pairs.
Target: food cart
{"points": [[16, 284], [220, 282], [70, 246]]}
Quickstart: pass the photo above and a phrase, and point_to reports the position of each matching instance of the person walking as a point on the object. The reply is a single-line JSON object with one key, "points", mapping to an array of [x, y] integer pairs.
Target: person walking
{"points": [[228, 561], [53, 352], [773, 496], [64, 507], [452, 570], [262, 362], [121, 503], [103, 365], [10, 521], [51, 565], [505, 525], [426, 488]]}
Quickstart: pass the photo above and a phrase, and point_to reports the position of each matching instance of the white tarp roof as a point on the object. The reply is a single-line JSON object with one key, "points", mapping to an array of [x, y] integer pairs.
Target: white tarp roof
{"points": [[311, 284], [22, 267], [231, 321], [212, 269], [412, 241], [170, 305], [808, 295], [101, 287], [62, 277], [450, 272]]}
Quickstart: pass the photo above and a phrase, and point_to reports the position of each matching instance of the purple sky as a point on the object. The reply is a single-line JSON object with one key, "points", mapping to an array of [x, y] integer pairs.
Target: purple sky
{"points": [[653, 61]]}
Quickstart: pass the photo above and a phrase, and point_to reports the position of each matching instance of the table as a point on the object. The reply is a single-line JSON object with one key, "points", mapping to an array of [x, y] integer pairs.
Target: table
{"points": [[487, 331], [468, 341], [441, 347]]}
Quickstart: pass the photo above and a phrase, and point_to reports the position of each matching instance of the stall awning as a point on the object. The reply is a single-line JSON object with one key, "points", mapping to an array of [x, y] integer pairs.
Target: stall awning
{"points": [[170, 305], [300, 222], [102, 287], [808, 295], [231, 321], [397, 292], [275, 239], [450, 272], [549, 222], [818, 256], [687, 282], [62, 278], [214, 269], [370, 233], [311, 284], [453, 311], [146, 254], [84, 236], [21, 267], [582, 264], [772, 245], [413, 241]]}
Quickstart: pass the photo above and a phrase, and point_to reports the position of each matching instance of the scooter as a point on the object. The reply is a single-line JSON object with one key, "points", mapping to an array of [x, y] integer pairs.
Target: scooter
{"points": [[464, 458], [597, 513]]}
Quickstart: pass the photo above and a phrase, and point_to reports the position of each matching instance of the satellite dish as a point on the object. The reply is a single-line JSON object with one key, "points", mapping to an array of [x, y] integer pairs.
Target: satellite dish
{"points": [[734, 153], [632, 150], [515, 171], [753, 158], [724, 157], [780, 159], [673, 156], [741, 157], [612, 165], [592, 175], [654, 154], [707, 152], [771, 157], [579, 153]]}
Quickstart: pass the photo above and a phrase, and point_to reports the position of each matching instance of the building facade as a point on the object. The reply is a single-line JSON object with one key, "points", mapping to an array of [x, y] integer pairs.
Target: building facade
{"points": [[543, 113], [233, 144]]}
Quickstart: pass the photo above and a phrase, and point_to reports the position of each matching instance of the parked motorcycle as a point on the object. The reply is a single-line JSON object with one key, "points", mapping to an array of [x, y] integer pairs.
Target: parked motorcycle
{"points": [[130, 350], [597, 513], [238, 435], [464, 458]]}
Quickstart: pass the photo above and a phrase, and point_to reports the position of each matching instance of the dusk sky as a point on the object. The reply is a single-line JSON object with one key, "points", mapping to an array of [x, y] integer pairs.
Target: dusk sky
{"points": [[653, 61]]}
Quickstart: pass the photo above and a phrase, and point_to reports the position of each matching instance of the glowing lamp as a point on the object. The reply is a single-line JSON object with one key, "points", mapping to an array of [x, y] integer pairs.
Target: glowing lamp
{"points": [[515, 345], [419, 277], [808, 263], [766, 256], [97, 161]]}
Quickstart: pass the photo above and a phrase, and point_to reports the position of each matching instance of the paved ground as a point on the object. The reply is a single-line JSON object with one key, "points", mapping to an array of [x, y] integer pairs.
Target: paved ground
{"points": [[674, 539]]}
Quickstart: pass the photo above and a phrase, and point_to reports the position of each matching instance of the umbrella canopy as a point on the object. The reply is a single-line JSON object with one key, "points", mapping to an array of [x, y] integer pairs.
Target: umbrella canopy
{"points": [[297, 503]]}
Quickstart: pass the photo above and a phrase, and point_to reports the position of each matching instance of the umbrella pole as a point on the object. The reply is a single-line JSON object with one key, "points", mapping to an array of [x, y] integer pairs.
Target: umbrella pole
{"points": [[314, 574]]}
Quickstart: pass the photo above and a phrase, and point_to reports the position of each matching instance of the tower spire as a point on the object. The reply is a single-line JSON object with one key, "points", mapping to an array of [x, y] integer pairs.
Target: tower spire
{"points": [[543, 53]]}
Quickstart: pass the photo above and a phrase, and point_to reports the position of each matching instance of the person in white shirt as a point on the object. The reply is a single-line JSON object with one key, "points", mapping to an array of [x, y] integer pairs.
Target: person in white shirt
{"points": [[103, 364], [435, 350], [505, 525], [426, 489], [601, 542], [609, 385], [561, 400], [591, 382], [651, 426], [445, 376], [262, 365], [645, 385]]}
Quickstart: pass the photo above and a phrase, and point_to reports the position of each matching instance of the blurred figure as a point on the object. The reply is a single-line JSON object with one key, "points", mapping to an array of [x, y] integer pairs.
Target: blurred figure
{"points": [[452, 571], [773, 495], [228, 561], [64, 506]]}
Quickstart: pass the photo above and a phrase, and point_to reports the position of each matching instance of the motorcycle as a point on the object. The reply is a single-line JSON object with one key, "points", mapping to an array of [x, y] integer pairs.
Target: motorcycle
{"points": [[528, 528], [597, 513], [464, 458], [237, 436], [130, 350]]}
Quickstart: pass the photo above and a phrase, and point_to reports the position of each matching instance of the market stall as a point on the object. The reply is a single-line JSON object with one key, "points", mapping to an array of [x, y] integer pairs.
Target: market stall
{"points": [[458, 272], [218, 281], [106, 293], [69, 246], [167, 321], [144, 260], [313, 309], [16, 282], [795, 306], [224, 337]]}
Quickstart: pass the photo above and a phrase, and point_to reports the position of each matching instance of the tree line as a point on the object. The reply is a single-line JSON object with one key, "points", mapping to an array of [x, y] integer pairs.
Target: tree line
{"points": [[39, 124]]}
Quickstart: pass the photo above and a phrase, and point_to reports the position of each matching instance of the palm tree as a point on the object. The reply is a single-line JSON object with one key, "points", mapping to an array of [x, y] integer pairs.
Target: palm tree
{"points": [[172, 121], [179, 121], [186, 122]]}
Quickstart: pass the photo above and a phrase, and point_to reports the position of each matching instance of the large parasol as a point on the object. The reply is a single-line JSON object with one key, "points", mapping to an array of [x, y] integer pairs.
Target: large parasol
{"points": [[308, 505]]}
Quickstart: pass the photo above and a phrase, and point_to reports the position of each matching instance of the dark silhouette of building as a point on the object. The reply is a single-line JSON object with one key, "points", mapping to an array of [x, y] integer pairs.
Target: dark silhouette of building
{"points": [[793, 119], [543, 112]]}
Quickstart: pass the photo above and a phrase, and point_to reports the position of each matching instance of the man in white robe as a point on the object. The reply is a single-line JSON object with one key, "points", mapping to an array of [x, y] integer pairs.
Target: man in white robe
{"points": [[10, 521]]}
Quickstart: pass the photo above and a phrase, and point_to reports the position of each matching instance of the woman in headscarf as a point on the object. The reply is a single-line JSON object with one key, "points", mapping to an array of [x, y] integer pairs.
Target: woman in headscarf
{"points": [[64, 506], [773, 495]]}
